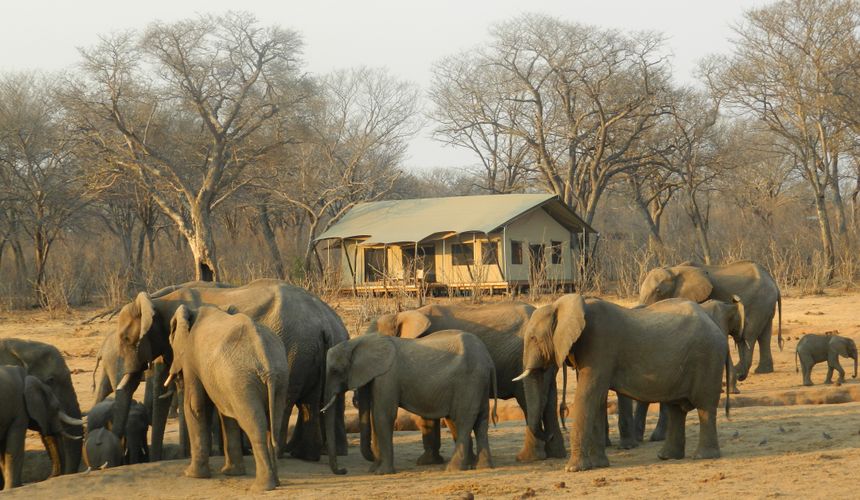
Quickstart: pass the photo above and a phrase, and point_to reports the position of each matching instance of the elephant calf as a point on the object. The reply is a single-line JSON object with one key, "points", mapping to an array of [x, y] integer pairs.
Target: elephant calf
{"points": [[445, 374], [814, 348], [231, 363], [133, 445], [102, 449]]}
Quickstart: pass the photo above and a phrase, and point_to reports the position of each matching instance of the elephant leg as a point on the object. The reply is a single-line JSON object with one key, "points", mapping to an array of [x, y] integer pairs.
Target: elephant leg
{"points": [[765, 358], [709, 445], [639, 418], [13, 458], [733, 378], [554, 448], [806, 364], [673, 448], [432, 440], [482, 440], [198, 416], [217, 435], [597, 450], [383, 426], [659, 433], [833, 364], [231, 436], [266, 468], [461, 459], [285, 426], [159, 408], [307, 435], [184, 443], [626, 426], [589, 406]]}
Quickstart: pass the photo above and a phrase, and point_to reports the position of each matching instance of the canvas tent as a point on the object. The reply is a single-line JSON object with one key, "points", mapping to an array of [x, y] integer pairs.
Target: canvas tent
{"points": [[491, 241]]}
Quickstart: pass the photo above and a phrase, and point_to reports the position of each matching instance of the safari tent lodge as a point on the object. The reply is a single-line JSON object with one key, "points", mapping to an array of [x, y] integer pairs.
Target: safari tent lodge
{"points": [[459, 244]]}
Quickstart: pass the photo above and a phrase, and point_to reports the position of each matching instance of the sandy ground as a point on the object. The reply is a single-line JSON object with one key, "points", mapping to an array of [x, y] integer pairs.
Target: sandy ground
{"points": [[781, 439]]}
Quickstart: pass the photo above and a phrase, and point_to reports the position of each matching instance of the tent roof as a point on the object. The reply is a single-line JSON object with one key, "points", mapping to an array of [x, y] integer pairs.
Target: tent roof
{"points": [[401, 221]]}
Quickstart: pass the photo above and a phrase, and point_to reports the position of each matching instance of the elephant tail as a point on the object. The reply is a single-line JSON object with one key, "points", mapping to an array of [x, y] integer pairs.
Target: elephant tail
{"points": [[796, 369], [779, 324], [562, 409], [495, 397], [273, 435], [98, 360], [728, 381]]}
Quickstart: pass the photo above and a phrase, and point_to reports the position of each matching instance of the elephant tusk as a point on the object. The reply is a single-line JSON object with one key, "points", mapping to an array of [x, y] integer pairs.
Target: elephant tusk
{"points": [[169, 379], [523, 375], [69, 420], [124, 382], [166, 395], [104, 466], [331, 402], [69, 436]]}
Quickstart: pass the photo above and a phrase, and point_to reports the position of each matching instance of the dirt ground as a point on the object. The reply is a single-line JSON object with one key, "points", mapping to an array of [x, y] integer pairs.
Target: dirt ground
{"points": [[782, 439]]}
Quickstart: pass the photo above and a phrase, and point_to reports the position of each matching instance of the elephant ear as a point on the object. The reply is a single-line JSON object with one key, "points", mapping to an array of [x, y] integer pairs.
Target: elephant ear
{"points": [[412, 324], [147, 312], [568, 324], [180, 323], [36, 401], [371, 357], [692, 283], [742, 315]]}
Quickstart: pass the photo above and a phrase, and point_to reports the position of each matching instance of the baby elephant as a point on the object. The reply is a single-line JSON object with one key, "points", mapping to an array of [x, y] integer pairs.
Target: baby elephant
{"points": [[133, 445], [102, 449], [445, 374], [230, 363], [814, 348]]}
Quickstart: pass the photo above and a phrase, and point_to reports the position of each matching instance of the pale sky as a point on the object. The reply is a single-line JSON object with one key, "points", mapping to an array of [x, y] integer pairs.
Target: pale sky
{"points": [[405, 36]]}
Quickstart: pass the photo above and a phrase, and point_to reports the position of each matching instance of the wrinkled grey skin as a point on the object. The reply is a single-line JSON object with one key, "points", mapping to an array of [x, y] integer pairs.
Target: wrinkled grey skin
{"points": [[669, 352], [500, 327], [730, 317], [306, 326], [230, 363], [748, 280], [813, 349], [446, 374], [28, 404], [156, 404], [46, 363], [102, 449], [133, 446]]}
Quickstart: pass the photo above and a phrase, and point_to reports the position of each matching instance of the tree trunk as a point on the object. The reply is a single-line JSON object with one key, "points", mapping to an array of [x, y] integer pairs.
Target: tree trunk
{"points": [[203, 245], [841, 219], [826, 235], [271, 242], [701, 228]]}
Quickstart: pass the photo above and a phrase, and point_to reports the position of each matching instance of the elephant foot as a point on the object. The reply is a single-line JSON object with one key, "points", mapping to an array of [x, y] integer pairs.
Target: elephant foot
{"points": [[657, 435], [807, 383], [601, 462], [580, 465], [628, 444], [531, 454], [264, 485], [734, 390], [555, 449], [233, 469], [200, 471], [430, 458], [668, 453], [764, 368], [484, 461], [382, 470], [707, 453]]}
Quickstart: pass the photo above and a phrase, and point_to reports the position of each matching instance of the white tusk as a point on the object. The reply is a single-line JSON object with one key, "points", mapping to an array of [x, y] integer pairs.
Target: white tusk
{"points": [[523, 375], [104, 466], [169, 379], [76, 438], [326, 407], [69, 420], [123, 382]]}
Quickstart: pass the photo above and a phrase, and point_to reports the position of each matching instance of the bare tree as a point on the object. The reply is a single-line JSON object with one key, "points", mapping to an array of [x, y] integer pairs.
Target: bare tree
{"points": [[42, 184], [781, 72], [187, 107], [583, 99], [354, 141]]}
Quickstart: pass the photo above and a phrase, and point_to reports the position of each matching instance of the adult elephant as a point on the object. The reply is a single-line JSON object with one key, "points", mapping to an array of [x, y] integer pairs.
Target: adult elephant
{"points": [[45, 362], [669, 352], [749, 281], [501, 327], [306, 325]]}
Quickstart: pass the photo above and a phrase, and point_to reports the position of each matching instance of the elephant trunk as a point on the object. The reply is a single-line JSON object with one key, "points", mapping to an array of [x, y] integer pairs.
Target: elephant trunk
{"points": [[123, 403], [160, 408], [71, 447], [52, 446], [745, 354], [535, 402], [331, 442]]}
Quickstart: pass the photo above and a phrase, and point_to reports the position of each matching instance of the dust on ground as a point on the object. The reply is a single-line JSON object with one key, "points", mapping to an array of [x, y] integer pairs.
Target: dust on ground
{"points": [[782, 440]]}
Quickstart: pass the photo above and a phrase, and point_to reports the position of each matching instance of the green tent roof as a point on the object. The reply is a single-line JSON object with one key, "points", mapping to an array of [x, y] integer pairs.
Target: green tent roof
{"points": [[401, 221]]}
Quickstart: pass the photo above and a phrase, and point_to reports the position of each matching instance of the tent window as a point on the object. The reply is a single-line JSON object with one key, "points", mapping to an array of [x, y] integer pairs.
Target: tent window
{"points": [[374, 264], [516, 252], [463, 254], [490, 253], [556, 252]]}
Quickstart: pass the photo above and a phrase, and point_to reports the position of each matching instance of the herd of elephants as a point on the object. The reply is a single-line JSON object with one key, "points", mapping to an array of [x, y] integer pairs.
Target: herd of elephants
{"points": [[239, 359]]}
